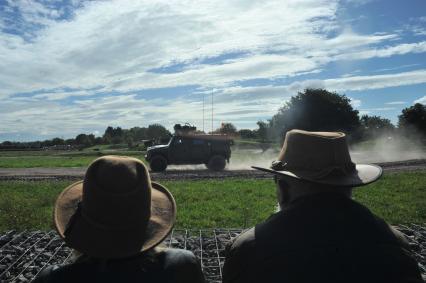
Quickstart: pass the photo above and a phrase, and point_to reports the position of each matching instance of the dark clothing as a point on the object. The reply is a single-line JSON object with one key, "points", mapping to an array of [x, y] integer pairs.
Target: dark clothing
{"points": [[169, 265], [322, 238]]}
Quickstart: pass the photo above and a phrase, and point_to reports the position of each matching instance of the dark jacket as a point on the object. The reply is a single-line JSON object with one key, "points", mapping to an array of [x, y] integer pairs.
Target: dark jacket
{"points": [[322, 238], [168, 265]]}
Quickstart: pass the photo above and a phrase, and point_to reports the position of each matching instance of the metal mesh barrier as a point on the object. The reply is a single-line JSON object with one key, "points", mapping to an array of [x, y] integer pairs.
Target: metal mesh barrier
{"points": [[24, 254]]}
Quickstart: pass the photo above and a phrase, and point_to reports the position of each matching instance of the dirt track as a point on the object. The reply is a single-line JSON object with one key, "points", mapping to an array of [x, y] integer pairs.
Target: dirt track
{"points": [[78, 173]]}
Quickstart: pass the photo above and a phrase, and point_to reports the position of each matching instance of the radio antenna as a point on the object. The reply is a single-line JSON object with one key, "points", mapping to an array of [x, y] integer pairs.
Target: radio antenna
{"points": [[203, 112], [212, 112]]}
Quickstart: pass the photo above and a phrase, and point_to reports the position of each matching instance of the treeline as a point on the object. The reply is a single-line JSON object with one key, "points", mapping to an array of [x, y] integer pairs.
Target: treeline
{"points": [[112, 135], [321, 110], [311, 110]]}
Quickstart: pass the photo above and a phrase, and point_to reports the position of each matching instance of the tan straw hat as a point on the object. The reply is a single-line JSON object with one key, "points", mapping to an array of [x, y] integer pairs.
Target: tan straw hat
{"points": [[116, 211], [321, 157]]}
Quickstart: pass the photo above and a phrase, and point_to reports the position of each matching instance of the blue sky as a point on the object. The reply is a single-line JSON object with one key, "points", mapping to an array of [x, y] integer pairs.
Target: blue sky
{"points": [[70, 67]]}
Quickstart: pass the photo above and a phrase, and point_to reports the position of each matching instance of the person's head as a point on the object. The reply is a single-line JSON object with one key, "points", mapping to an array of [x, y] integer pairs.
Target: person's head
{"points": [[289, 189], [116, 211], [317, 162]]}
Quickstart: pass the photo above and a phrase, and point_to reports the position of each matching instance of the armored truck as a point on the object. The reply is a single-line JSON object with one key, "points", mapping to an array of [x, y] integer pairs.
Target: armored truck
{"points": [[212, 150]]}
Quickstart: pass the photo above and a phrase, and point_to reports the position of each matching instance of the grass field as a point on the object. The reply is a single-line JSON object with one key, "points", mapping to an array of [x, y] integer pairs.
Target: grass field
{"points": [[397, 197], [29, 159]]}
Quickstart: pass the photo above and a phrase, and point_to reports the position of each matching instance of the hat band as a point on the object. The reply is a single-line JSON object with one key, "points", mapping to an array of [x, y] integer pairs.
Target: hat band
{"points": [[346, 169]]}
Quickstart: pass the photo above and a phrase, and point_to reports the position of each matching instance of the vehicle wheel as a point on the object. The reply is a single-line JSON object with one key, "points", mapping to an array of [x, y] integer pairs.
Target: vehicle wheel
{"points": [[158, 164], [216, 163]]}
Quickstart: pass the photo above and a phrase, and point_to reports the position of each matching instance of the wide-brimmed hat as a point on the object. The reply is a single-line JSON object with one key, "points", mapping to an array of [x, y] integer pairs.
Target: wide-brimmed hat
{"points": [[116, 211], [321, 157]]}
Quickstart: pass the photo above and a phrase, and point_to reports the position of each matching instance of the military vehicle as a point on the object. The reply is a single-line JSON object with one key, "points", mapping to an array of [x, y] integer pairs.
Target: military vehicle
{"points": [[212, 150]]}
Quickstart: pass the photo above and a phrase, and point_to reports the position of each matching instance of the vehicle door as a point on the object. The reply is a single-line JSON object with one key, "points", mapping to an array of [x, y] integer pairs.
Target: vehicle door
{"points": [[200, 150], [179, 150]]}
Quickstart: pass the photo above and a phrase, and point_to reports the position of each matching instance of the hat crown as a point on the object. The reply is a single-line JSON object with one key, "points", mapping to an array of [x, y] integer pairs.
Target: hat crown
{"points": [[115, 175], [116, 192], [317, 153]]}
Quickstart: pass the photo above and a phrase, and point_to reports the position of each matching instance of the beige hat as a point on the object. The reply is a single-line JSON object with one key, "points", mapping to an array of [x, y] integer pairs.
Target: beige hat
{"points": [[321, 157], [116, 211]]}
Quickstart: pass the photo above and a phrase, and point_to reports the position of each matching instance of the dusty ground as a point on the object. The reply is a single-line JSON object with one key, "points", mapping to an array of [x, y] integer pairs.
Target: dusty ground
{"points": [[176, 174]]}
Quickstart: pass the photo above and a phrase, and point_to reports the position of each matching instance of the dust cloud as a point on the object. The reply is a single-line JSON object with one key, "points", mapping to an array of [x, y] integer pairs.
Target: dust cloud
{"points": [[382, 149], [387, 149], [243, 159]]}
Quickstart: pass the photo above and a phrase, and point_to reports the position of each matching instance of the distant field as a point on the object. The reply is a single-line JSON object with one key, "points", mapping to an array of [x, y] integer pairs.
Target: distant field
{"points": [[28, 159], [242, 153], [397, 197]]}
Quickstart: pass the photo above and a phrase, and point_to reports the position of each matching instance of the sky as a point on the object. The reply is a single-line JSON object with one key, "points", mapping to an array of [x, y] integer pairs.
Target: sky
{"points": [[71, 67]]}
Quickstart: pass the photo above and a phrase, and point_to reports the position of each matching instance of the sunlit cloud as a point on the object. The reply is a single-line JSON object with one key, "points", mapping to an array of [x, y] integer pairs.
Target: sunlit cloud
{"points": [[83, 65]]}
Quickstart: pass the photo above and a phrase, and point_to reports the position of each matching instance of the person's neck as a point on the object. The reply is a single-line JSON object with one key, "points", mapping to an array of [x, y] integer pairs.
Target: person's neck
{"points": [[302, 197]]}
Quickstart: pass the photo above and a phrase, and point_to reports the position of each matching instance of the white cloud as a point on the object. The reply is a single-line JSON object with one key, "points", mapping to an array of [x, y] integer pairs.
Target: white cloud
{"points": [[353, 83], [421, 100], [378, 109], [109, 43], [396, 103], [416, 26], [114, 44], [400, 49], [377, 81], [90, 115], [240, 105], [355, 103]]}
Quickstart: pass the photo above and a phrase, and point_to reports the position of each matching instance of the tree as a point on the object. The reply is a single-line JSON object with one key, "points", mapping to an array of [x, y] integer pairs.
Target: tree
{"points": [[315, 110], [247, 134], [262, 131], [157, 132], [227, 129], [413, 119], [113, 135], [138, 133], [58, 141], [83, 139], [98, 140], [375, 126]]}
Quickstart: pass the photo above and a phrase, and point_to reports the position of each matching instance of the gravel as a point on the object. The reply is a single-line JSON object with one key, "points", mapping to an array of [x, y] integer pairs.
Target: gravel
{"points": [[24, 254]]}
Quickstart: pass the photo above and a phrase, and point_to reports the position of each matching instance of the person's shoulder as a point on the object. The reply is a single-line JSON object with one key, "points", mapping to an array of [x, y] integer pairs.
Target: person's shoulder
{"points": [[395, 235], [239, 256], [178, 256], [245, 239], [182, 264], [48, 274], [243, 243]]}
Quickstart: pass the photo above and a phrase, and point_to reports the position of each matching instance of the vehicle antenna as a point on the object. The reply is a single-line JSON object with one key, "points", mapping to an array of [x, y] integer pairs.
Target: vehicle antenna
{"points": [[212, 111], [203, 112]]}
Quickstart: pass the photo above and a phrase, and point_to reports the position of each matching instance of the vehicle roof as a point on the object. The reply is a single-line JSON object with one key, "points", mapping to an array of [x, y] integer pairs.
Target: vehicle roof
{"points": [[206, 137]]}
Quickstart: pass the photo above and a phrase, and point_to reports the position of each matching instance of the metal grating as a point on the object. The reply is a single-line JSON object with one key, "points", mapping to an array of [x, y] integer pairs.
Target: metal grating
{"points": [[207, 245], [24, 254]]}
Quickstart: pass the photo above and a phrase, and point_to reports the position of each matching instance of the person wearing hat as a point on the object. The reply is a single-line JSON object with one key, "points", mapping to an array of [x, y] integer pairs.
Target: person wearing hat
{"points": [[115, 220], [320, 234]]}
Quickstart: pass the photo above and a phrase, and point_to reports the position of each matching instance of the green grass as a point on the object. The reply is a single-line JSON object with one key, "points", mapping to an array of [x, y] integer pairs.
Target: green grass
{"points": [[397, 197], [29, 159]]}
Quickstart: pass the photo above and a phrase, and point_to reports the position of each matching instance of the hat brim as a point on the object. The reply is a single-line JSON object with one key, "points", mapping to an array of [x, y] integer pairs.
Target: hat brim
{"points": [[100, 243], [363, 175]]}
